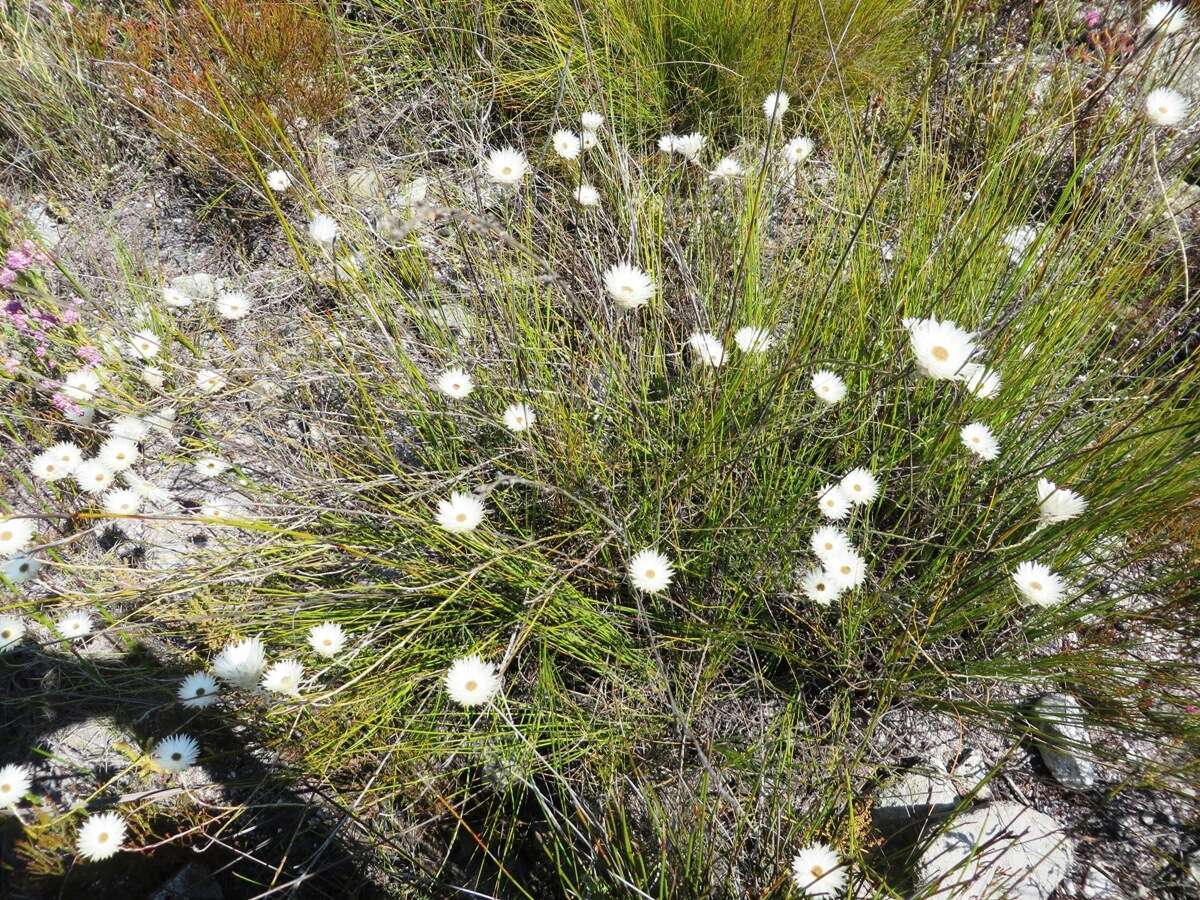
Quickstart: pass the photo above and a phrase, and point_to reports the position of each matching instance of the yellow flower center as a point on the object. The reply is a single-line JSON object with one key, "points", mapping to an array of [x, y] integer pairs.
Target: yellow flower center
{"points": [[102, 837], [176, 757], [941, 354], [1036, 585], [6, 535], [650, 573], [817, 871], [472, 685], [507, 170]]}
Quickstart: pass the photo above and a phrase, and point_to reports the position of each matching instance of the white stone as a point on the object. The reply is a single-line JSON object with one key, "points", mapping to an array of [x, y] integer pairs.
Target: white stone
{"points": [[1065, 742]]}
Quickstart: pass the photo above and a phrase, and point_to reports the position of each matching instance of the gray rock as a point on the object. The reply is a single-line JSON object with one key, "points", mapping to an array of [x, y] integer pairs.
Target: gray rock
{"points": [[192, 882], [970, 773], [999, 850], [914, 795], [1065, 742], [1098, 886]]}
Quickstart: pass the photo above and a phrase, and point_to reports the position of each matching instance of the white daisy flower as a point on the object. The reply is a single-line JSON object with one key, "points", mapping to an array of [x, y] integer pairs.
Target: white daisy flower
{"points": [[941, 347], [16, 534], [690, 146], [20, 569], [455, 383], [147, 490], [519, 417], [506, 165], [1057, 504], [210, 466], [175, 298], [1037, 584], [327, 639], [668, 143], [629, 286], [828, 387], [819, 587], [775, 105], [566, 144], [828, 541], [15, 782], [1165, 18], [1166, 107], [980, 380], [650, 571], [461, 513], [122, 502], [835, 505], [978, 438], [817, 871], [101, 836], [846, 568], [154, 377], [198, 690], [752, 339], [74, 625], [12, 629], [471, 682], [241, 664], [284, 677], [118, 453], [176, 753], [279, 181], [93, 476], [210, 380], [707, 348], [234, 305], [1019, 239], [323, 229], [56, 462], [860, 486], [591, 121], [81, 385], [587, 195], [726, 170], [798, 150], [145, 344], [131, 428]]}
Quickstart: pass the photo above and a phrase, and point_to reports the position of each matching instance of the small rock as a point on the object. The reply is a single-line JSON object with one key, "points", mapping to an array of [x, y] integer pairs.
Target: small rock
{"points": [[1098, 886], [999, 850], [1065, 742], [365, 184], [917, 794], [192, 882], [970, 774]]}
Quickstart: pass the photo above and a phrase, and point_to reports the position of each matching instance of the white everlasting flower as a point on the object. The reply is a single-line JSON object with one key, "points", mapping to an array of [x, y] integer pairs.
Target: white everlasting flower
{"points": [[506, 165], [726, 170], [210, 466], [519, 417], [327, 639], [118, 453], [241, 664], [1166, 107], [163, 420], [707, 348], [817, 871], [1037, 584], [461, 513], [471, 682], [56, 462], [690, 146], [819, 587], [828, 541], [323, 229], [153, 376], [567, 144], [1056, 504], [591, 121], [846, 568], [279, 181], [81, 385], [83, 416], [284, 677], [210, 380], [12, 629], [455, 383], [980, 380], [145, 344], [122, 502], [775, 105], [1166, 18], [93, 476], [74, 625], [1019, 239], [650, 571], [16, 534], [18, 570], [860, 486], [147, 489], [131, 428], [176, 298], [177, 753], [941, 348], [587, 195], [628, 285], [14, 784], [234, 305], [798, 150], [588, 140], [752, 339], [828, 387], [978, 438], [101, 836], [198, 690], [835, 505], [668, 143]]}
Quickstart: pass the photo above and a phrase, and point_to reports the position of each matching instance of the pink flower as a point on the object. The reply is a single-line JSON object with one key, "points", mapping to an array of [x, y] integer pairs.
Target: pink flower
{"points": [[89, 355], [7, 277], [66, 404], [19, 260], [70, 316], [1092, 17], [11, 364]]}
